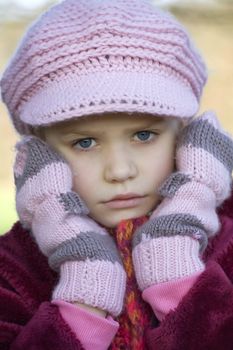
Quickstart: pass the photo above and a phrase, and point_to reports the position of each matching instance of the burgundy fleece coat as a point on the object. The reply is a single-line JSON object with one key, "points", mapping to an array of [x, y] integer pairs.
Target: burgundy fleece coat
{"points": [[28, 321]]}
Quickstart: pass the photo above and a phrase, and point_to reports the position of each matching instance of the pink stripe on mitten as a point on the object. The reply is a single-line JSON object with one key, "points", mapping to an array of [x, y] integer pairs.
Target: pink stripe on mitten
{"points": [[165, 259], [192, 198], [97, 283]]}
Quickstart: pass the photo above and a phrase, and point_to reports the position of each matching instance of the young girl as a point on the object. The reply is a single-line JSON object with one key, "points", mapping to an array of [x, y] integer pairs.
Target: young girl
{"points": [[124, 238]]}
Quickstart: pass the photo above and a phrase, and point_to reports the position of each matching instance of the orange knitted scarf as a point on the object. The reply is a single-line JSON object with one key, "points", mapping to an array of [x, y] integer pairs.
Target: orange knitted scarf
{"points": [[137, 315]]}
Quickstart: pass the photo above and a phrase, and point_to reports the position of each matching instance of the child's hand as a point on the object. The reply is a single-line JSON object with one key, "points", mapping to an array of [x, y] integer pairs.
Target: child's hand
{"points": [[41, 174], [167, 247], [91, 270], [204, 155]]}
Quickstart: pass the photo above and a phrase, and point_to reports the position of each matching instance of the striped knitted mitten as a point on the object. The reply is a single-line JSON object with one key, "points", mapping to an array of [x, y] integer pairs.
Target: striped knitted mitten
{"points": [[168, 246], [91, 270]]}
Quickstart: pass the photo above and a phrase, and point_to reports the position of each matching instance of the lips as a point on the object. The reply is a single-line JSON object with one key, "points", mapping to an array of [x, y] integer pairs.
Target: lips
{"points": [[128, 200], [126, 196]]}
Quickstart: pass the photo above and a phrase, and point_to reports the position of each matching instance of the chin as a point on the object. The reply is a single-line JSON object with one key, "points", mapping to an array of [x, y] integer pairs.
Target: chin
{"points": [[115, 219]]}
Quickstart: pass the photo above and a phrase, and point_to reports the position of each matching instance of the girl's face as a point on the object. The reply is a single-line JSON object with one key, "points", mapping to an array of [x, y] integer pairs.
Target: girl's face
{"points": [[115, 155]]}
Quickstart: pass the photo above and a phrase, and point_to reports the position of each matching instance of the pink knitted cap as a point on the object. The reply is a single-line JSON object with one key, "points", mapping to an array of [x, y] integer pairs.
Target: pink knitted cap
{"points": [[90, 57]]}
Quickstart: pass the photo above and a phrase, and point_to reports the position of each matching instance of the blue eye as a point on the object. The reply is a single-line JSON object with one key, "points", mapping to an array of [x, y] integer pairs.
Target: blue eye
{"points": [[144, 135], [84, 143]]}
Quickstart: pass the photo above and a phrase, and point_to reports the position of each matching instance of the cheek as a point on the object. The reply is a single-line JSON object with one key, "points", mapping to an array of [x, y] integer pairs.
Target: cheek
{"points": [[167, 160], [85, 178], [162, 162]]}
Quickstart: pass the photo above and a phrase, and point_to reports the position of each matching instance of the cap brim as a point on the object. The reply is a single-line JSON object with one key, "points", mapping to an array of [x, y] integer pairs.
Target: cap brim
{"points": [[100, 92]]}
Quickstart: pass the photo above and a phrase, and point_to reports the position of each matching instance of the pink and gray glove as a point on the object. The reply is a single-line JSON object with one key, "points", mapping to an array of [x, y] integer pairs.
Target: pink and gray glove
{"points": [[169, 245], [91, 270]]}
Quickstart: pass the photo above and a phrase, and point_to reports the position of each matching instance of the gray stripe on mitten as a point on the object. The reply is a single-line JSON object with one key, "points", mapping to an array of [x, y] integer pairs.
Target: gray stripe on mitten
{"points": [[172, 225], [201, 134], [88, 245], [39, 155], [172, 184], [73, 204]]}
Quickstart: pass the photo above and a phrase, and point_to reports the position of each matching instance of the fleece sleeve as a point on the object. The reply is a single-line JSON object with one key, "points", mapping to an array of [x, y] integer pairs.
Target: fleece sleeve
{"points": [[204, 318], [45, 330]]}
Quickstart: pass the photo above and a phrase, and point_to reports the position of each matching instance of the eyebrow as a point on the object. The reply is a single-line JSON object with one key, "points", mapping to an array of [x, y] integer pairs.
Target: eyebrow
{"points": [[72, 131]]}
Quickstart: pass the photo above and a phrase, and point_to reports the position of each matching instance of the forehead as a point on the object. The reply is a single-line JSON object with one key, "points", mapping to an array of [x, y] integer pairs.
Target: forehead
{"points": [[108, 120]]}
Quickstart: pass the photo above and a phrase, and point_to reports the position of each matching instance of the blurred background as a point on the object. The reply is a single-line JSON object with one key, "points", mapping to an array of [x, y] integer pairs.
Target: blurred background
{"points": [[210, 22]]}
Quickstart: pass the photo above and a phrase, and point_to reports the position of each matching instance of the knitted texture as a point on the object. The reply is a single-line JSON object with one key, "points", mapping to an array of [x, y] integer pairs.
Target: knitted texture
{"points": [[169, 245], [91, 270], [137, 316], [90, 57]]}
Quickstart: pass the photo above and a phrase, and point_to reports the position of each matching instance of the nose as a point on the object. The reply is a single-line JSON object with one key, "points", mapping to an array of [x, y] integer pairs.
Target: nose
{"points": [[120, 166]]}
